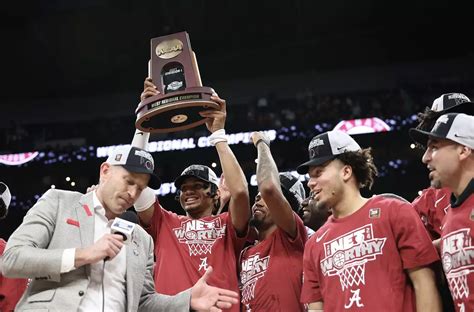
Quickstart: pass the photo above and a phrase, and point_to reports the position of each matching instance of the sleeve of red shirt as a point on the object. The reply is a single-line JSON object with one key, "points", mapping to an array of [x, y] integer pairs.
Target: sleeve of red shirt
{"points": [[310, 291], [3, 243], [153, 228], [11, 289], [423, 205], [239, 242], [419, 203], [301, 234], [412, 239]]}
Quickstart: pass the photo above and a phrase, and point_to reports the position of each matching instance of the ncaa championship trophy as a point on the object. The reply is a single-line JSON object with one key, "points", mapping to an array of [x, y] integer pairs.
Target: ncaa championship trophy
{"points": [[174, 70]]}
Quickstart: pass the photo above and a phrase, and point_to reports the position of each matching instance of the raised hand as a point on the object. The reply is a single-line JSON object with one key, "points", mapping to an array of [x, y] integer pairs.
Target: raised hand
{"points": [[216, 117], [149, 89], [259, 136], [210, 298]]}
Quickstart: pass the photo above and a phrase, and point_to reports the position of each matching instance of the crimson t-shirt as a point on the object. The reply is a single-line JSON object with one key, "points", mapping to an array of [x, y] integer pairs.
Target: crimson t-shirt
{"points": [[11, 289], [359, 261], [457, 253], [272, 270], [185, 247], [432, 206]]}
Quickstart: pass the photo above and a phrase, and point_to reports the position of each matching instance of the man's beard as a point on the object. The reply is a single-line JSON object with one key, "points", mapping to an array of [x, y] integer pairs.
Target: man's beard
{"points": [[321, 206], [255, 222], [436, 184]]}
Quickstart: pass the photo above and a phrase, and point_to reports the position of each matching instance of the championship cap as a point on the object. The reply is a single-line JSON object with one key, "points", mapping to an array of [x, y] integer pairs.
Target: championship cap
{"points": [[453, 126], [135, 160], [5, 199], [453, 103], [293, 185], [327, 146], [200, 172]]}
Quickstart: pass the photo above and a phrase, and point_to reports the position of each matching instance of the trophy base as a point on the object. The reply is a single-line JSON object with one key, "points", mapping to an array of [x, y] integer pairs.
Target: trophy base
{"points": [[179, 111]]}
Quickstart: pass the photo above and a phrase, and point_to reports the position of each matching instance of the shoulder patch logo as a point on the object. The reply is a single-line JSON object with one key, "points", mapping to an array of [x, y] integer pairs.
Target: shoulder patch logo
{"points": [[374, 213]]}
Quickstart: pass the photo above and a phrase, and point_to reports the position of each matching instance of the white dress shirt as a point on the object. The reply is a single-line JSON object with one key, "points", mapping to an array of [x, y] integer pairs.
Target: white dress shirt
{"points": [[113, 276]]}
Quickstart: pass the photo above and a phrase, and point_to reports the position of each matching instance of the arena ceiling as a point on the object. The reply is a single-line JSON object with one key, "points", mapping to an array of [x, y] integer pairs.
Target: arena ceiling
{"points": [[60, 48]]}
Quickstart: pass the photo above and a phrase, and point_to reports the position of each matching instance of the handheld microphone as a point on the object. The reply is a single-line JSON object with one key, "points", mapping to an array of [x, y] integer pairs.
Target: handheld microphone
{"points": [[124, 225], [5, 199]]}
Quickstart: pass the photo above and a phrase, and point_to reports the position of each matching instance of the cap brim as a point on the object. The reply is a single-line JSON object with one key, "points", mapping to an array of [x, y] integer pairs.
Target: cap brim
{"points": [[179, 180], [304, 167], [465, 108], [421, 137], [154, 182]]}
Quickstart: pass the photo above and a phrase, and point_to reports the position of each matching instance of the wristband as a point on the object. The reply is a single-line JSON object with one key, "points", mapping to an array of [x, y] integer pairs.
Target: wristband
{"points": [[140, 139], [266, 141], [146, 199], [217, 136]]}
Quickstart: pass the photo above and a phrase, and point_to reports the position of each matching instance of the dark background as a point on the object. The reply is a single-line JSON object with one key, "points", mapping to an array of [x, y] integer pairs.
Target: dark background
{"points": [[73, 71], [79, 48]]}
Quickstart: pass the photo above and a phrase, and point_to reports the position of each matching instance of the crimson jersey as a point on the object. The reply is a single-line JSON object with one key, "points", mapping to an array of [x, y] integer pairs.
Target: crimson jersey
{"points": [[271, 272], [11, 289], [457, 252], [432, 206], [185, 247], [358, 261]]}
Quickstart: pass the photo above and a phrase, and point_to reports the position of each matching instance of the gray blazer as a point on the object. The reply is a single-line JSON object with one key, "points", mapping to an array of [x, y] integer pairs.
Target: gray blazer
{"points": [[64, 219]]}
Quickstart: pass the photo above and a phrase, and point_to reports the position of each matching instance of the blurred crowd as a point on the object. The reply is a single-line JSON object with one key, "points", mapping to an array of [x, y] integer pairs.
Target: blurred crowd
{"points": [[270, 111]]}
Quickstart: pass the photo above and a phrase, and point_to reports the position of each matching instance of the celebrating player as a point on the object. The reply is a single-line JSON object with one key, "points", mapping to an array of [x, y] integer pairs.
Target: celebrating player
{"points": [[450, 159], [432, 205], [271, 269], [369, 250], [186, 245]]}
